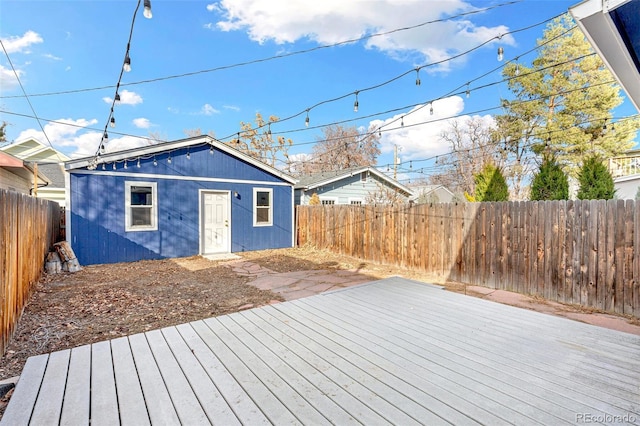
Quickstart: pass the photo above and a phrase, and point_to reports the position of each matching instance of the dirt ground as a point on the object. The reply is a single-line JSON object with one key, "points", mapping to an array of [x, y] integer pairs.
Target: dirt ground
{"points": [[107, 301]]}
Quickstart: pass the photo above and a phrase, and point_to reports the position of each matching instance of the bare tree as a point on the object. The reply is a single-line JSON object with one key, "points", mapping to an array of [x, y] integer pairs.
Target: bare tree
{"points": [[472, 146], [341, 148], [259, 143], [197, 132]]}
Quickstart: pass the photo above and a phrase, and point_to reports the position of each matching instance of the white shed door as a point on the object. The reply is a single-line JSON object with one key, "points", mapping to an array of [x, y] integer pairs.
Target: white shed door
{"points": [[214, 235]]}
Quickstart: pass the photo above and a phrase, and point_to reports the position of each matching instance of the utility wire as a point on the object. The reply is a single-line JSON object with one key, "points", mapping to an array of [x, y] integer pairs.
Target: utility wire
{"points": [[29, 101], [271, 58]]}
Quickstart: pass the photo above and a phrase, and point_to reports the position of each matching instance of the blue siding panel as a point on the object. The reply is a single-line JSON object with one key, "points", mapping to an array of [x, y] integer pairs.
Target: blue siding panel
{"points": [[98, 207]]}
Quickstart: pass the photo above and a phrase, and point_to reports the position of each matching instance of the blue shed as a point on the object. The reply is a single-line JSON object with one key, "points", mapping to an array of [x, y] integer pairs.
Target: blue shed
{"points": [[175, 199]]}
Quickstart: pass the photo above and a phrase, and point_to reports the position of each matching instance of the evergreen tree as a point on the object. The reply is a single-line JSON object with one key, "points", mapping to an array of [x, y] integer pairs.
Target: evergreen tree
{"points": [[551, 182], [596, 182], [563, 102], [490, 185]]}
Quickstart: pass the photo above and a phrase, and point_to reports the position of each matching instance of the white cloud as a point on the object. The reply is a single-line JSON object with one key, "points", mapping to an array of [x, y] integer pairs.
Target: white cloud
{"points": [[8, 78], [126, 98], [125, 142], [331, 21], [141, 123], [52, 57], [65, 136], [208, 110], [15, 44], [419, 138], [67, 68], [209, 26], [232, 107], [71, 137], [211, 7]]}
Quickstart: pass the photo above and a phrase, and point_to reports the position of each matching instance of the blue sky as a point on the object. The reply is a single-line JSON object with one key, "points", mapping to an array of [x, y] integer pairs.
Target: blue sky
{"points": [[79, 46]]}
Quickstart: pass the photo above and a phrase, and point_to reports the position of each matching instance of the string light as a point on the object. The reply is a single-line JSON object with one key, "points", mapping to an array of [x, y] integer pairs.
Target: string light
{"points": [[125, 164], [112, 122], [103, 167], [117, 99], [114, 165], [155, 161], [355, 104], [468, 92], [101, 147], [211, 150], [127, 63], [147, 9], [417, 76], [431, 108], [105, 136], [402, 121], [169, 159], [306, 120], [138, 165], [500, 54], [188, 155]]}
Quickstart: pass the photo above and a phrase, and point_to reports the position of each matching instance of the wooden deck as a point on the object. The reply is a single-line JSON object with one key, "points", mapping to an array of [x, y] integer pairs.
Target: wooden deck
{"points": [[388, 352]]}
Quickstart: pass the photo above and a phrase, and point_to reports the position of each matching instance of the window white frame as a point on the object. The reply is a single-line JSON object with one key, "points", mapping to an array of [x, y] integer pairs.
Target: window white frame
{"points": [[356, 201], [256, 207], [331, 201], [129, 227]]}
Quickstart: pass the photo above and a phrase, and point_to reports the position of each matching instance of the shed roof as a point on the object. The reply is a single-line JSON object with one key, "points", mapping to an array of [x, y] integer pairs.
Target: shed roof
{"points": [[177, 144]]}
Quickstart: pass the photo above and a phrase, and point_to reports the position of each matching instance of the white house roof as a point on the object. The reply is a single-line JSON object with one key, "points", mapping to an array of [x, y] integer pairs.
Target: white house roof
{"points": [[324, 178], [613, 29], [31, 149], [173, 145]]}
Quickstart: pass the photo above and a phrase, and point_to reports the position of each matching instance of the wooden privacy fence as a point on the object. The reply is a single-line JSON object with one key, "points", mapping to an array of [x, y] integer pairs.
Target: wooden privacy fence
{"points": [[29, 226], [579, 252]]}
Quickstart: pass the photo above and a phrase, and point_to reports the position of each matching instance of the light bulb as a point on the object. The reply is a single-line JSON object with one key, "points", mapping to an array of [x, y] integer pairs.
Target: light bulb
{"points": [[103, 167], [402, 121], [117, 101], [114, 165], [211, 150], [517, 70], [112, 123], [418, 77], [431, 110], [101, 147], [306, 120], [169, 159], [147, 9], [188, 155], [155, 162], [355, 106], [500, 53], [138, 165], [125, 164], [468, 92], [106, 135], [127, 63]]}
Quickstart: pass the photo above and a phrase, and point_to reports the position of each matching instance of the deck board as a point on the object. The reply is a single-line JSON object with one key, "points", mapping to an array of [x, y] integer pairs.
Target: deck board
{"points": [[389, 352], [77, 396]]}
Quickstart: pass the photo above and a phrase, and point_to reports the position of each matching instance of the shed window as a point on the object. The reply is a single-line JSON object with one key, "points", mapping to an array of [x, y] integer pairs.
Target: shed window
{"points": [[328, 202], [262, 206], [141, 206]]}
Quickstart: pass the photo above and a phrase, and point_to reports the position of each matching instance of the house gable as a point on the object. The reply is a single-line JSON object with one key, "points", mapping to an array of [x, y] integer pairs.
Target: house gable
{"points": [[352, 186]]}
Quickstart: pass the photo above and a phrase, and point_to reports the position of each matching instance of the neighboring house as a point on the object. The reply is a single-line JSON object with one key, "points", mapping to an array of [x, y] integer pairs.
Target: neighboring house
{"points": [[19, 176], [626, 174], [50, 162], [358, 185], [175, 199], [431, 194]]}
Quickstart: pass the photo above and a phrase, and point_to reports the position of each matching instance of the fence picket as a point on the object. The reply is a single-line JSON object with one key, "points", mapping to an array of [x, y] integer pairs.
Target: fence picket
{"points": [[582, 252], [28, 228]]}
